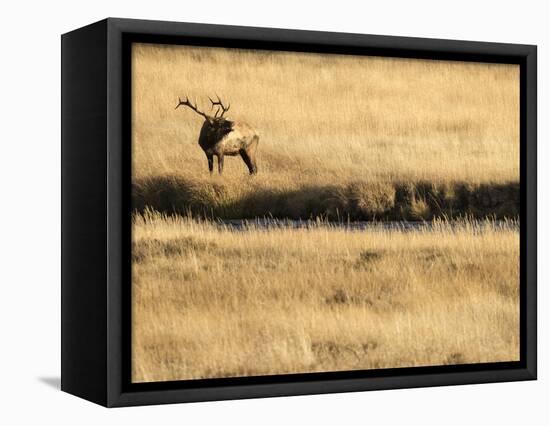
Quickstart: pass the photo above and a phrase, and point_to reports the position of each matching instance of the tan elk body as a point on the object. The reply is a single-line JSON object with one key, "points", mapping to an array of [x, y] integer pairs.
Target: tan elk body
{"points": [[220, 137]]}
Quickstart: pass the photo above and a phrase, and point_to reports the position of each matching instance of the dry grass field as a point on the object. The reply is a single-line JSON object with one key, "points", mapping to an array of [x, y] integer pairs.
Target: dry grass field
{"points": [[342, 138], [218, 303]]}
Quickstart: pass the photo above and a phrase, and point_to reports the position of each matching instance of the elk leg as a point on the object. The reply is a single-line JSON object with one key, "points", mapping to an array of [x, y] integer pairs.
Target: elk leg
{"points": [[251, 152], [248, 161], [252, 157], [210, 163], [220, 164]]}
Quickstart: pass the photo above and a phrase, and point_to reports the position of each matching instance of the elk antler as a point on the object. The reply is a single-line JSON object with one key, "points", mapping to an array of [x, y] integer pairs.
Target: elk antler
{"points": [[220, 105], [189, 104]]}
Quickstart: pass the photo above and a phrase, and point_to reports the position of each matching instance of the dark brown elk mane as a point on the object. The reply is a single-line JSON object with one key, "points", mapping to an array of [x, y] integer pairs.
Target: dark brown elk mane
{"points": [[220, 136]]}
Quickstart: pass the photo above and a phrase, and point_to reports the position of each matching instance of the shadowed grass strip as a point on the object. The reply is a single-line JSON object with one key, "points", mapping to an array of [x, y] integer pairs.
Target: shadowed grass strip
{"points": [[355, 200]]}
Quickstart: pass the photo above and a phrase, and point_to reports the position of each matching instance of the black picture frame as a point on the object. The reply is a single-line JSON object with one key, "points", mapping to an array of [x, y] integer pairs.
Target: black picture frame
{"points": [[96, 183]]}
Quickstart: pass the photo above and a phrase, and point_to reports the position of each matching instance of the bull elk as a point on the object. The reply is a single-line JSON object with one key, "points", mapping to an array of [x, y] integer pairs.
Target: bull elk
{"points": [[220, 137]]}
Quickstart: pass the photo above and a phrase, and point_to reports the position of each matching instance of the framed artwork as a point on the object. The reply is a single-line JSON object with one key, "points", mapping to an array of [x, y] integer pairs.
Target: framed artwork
{"points": [[253, 212]]}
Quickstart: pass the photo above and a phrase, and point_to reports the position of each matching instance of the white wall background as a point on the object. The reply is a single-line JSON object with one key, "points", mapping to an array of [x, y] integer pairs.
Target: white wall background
{"points": [[30, 211]]}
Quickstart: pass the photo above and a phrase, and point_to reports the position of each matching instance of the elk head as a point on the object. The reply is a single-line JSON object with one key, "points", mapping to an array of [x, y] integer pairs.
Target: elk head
{"points": [[218, 124]]}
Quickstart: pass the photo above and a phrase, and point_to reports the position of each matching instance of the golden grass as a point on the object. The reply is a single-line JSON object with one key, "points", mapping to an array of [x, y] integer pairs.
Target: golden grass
{"points": [[340, 137], [329, 118], [211, 302]]}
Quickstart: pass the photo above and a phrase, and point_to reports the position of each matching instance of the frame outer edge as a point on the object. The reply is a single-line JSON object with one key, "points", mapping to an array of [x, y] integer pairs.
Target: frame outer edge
{"points": [[318, 37], [83, 210], [531, 216], [115, 213]]}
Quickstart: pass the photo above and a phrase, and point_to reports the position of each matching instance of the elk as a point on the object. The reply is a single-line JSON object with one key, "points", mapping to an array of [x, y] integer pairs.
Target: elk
{"points": [[220, 136]]}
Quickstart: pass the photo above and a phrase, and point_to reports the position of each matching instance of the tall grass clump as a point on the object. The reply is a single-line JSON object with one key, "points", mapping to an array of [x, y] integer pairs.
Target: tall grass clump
{"points": [[247, 198]]}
